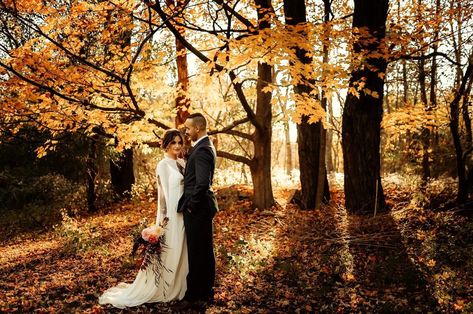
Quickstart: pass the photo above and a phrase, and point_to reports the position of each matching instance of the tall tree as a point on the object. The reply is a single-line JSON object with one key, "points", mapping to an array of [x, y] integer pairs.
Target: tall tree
{"points": [[121, 167], [462, 154], [311, 139], [460, 103], [363, 110], [326, 103], [425, 134], [261, 117], [91, 174], [182, 100], [261, 164]]}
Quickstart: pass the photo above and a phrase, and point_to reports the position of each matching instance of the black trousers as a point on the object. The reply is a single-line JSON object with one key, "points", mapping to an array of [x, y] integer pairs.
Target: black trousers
{"points": [[201, 276]]}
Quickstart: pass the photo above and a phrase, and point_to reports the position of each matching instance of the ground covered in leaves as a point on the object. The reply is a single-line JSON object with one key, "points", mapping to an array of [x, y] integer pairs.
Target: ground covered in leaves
{"points": [[413, 259]]}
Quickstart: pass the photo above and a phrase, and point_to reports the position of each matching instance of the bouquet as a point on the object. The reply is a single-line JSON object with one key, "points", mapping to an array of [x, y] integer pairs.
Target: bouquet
{"points": [[152, 242]]}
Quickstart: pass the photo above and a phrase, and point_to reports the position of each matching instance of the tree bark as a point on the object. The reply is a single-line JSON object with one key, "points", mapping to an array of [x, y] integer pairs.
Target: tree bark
{"points": [[310, 136], [260, 168], [324, 146], [362, 115], [261, 163], [425, 133], [287, 140], [430, 141], [466, 116], [462, 195], [433, 70], [329, 159], [91, 174], [121, 171], [182, 100], [405, 83], [121, 168], [463, 83], [288, 150]]}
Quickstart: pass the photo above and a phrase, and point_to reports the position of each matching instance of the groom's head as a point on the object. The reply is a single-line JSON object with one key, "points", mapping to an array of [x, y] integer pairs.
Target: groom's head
{"points": [[196, 126]]}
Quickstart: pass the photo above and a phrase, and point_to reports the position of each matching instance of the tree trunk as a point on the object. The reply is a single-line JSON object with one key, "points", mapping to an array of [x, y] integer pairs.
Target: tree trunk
{"points": [[121, 171], [288, 151], [433, 71], [404, 140], [425, 133], [405, 83], [260, 168], [287, 137], [463, 83], [455, 130], [261, 163], [91, 175], [429, 142], [386, 100], [323, 146], [468, 138], [361, 125], [329, 159], [182, 100], [121, 166], [458, 44], [466, 116], [310, 137], [261, 119]]}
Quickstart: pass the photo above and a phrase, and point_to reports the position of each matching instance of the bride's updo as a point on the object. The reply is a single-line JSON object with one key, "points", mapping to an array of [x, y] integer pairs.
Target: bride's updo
{"points": [[169, 136]]}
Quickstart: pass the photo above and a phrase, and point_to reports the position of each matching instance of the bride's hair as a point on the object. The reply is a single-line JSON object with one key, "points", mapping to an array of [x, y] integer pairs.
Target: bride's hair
{"points": [[169, 136]]}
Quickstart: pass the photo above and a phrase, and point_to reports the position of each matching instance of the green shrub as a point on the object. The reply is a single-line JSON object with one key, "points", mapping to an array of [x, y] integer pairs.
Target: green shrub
{"points": [[37, 201], [77, 236]]}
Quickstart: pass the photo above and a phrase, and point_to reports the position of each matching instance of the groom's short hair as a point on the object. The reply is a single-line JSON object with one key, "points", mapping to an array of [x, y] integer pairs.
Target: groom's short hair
{"points": [[199, 120]]}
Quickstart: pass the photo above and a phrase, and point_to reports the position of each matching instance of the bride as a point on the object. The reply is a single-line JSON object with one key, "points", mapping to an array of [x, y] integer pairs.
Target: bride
{"points": [[172, 284]]}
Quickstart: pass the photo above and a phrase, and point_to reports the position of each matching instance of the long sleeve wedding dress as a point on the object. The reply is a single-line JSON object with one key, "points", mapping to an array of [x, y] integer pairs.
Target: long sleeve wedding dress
{"points": [[171, 284]]}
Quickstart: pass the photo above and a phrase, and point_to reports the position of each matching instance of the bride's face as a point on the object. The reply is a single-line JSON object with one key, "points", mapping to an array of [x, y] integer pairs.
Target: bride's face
{"points": [[175, 147]]}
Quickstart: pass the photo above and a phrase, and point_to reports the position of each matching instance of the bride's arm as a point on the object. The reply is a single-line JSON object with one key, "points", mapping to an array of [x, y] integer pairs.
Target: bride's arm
{"points": [[162, 184]]}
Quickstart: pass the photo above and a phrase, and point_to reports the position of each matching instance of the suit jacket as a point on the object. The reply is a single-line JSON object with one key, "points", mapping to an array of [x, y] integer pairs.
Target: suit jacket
{"points": [[198, 196]]}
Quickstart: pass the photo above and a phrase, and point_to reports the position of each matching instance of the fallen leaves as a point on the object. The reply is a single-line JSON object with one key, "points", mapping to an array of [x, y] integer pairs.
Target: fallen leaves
{"points": [[277, 260]]}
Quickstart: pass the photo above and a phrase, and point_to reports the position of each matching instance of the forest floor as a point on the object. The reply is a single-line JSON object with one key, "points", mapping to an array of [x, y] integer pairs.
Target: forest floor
{"points": [[282, 260]]}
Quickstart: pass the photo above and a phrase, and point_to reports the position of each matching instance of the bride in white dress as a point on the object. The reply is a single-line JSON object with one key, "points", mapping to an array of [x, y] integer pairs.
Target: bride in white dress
{"points": [[172, 283]]}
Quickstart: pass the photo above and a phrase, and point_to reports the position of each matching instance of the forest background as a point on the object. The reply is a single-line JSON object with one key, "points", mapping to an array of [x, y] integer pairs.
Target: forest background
{"points": [[372, 96]]}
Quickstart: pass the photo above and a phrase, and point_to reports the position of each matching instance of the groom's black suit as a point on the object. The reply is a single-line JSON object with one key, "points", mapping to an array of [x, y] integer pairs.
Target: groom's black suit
{"points": [[198, 204]]}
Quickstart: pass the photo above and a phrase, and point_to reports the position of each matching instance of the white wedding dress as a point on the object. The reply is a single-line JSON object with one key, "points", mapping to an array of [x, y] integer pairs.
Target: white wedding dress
{"points": [[172, 284]]}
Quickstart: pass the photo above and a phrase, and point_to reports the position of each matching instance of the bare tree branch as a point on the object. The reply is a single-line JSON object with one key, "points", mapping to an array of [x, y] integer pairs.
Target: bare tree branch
{"points": [[239, 134], [238, 86], [231, 126], [236, 14], [159, 124], [428, 56], [234, 157]]}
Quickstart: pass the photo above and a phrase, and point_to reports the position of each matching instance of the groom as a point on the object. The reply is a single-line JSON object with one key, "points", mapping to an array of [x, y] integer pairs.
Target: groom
{"points": [[198, 205]]}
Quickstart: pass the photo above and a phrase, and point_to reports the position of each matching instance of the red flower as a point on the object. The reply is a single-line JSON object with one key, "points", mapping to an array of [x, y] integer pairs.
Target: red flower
{"points": [[152, 239]]}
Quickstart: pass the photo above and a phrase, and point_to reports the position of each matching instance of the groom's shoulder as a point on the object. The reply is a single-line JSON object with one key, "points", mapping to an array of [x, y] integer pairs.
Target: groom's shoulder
{"points": [[205, 151]]}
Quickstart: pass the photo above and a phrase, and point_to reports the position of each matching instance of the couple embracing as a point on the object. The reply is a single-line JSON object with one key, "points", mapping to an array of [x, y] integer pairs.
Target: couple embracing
{"points": [[187, 202]]}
